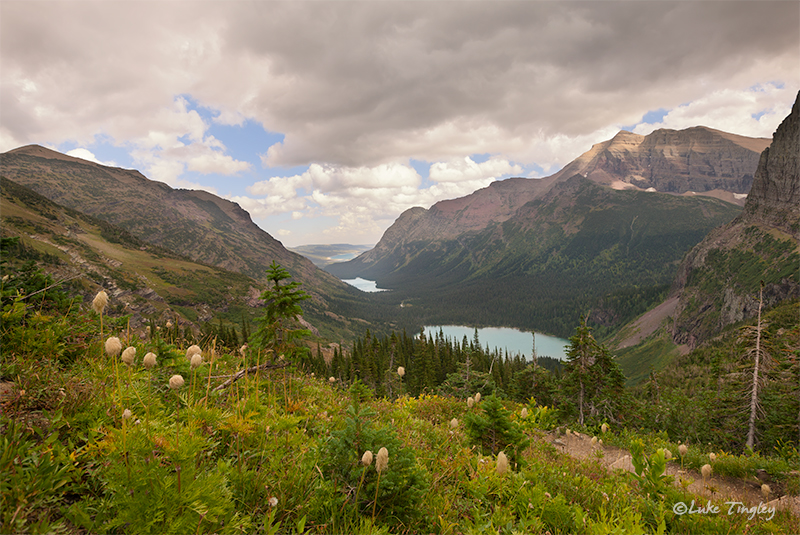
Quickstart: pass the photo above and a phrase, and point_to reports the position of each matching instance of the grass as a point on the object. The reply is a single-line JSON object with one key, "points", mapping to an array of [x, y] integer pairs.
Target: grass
{"points": [[71, 464]]}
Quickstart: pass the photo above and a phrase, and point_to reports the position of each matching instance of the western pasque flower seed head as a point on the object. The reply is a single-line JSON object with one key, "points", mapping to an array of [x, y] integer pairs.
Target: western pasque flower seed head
{"points": [[382, 462], [366, 459], [113, 346], [149, 360], [129, 355], [502, 463], [100, 301], [176, 382]]}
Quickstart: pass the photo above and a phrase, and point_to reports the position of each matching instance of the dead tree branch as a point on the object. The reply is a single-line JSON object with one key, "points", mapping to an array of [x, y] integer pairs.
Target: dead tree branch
{"points": [[241, 373]]}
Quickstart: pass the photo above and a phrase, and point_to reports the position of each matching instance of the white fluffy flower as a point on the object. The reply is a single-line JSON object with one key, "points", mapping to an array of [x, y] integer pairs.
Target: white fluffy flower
{"points": [[176, 382]]}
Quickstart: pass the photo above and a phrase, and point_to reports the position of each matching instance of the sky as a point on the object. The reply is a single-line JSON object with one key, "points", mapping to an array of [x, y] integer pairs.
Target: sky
{"points": [[327, 119]]}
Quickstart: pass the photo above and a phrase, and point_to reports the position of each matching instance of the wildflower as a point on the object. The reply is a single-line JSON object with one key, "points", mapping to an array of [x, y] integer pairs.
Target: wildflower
{"points": [[401, 371], [193, 349], [683, 450], [477, 397], [273, 501], [706, 471], [470, 402], [765, 491], [382, 462], [453, 423], [594, 441], [176, 382], [712, 456], [604, 428], [129, 355], [366, 459], [331, 379], [524, 413], [667, 454], [169, 324], [242, 349], [126, 414], [600, 441], [113, 346], [502, 463], [547, 495], [149, 360], [100, 301], [197, 360]]}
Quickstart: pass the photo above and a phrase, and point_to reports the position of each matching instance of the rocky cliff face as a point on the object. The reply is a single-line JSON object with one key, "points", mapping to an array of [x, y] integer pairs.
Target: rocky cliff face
{"points": [[775, 196], [718, 282], [698, 160]]}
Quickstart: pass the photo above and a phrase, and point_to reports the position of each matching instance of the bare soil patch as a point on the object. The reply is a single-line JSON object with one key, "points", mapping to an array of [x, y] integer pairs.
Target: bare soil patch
{"points": [[719, 489]]}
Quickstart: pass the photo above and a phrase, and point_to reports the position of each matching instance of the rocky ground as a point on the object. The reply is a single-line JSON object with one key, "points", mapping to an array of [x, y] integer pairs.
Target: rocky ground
{"points": [[719, 489]]}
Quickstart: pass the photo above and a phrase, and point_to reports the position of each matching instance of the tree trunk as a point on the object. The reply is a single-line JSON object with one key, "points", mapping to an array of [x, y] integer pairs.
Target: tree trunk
{"points": [[751, 431]]}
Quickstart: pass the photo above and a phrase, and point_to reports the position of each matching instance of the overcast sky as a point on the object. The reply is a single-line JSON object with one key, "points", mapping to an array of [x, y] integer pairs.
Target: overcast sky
{"points": [[326, 119]]}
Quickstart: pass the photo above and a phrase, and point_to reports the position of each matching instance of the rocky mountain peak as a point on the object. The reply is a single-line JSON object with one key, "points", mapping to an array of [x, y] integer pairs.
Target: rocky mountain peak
{"points": [[775, 195]]}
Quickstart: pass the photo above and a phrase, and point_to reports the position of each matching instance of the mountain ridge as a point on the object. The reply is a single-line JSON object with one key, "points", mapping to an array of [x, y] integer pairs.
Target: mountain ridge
{"points": [[194, 224]]}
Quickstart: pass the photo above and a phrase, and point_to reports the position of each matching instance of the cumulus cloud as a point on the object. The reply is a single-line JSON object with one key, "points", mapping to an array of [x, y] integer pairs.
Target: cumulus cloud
{"points": [[85, 154], [753, 111], [459, 170], [358, 89]]}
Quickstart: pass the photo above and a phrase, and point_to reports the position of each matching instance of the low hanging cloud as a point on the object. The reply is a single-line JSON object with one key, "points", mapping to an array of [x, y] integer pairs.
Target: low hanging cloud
{"points": [[359, 89], [363, 199]]}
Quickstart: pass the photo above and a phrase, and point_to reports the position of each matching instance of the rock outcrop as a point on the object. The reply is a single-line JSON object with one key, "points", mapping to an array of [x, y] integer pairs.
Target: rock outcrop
{"points": [[775, 196], [718, 281]]}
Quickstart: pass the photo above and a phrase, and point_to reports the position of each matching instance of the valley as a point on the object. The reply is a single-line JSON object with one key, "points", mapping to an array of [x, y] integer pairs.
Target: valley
{"points": [[253, 386]]}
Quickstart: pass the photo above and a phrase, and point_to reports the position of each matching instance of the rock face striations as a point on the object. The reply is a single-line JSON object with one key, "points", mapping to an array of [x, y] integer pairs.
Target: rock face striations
{"points": [[698, 160], [718, 282], [687, 162], [775, 196]]}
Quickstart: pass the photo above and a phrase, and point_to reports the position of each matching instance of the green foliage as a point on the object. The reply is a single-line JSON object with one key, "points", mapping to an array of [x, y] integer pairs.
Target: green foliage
{"points": [[36, 475], [650, 470], [402, 484], [276, 328], [593, 377], [490, 427]]}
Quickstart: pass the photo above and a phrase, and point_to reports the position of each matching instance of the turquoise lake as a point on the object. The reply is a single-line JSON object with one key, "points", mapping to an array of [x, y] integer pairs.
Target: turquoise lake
{"points": [[506, 339]]}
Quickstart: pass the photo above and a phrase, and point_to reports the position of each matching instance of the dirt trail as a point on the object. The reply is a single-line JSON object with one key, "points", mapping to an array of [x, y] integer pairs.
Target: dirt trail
{"points": [[726, 488]]}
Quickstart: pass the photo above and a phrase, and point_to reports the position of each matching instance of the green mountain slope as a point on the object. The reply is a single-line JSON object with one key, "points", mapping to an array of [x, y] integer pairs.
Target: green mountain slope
{"points": [[146, 281], [578, 248], [193, 224]]}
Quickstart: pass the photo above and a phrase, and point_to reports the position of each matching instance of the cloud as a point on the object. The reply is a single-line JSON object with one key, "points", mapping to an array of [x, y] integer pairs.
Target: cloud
{"points": [[85, 154], [752, 112], [364, 200], [459, 170], [359, 89]]}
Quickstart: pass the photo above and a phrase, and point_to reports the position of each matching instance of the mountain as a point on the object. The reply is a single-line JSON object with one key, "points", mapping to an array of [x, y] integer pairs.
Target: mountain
{"points": [[193, 224], [536, 253], [697, 160], [718, 283], [144, 280]]}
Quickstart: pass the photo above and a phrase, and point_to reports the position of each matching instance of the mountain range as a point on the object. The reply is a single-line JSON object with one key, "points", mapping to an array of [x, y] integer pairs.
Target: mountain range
{"points": [[194, 225], [603, 236]]}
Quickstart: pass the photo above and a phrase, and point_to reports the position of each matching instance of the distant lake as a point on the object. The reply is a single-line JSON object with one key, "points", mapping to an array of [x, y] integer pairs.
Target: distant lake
{"points": [[364, 285], [344, 257], [504, 338]]}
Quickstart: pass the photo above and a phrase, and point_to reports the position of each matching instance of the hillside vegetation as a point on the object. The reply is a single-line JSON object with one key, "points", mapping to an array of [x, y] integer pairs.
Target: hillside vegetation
{"points": [[161, 438]]}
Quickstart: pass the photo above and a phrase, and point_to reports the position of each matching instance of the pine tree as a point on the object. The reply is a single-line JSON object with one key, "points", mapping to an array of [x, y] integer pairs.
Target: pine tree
{"points": [[277, 328]]}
